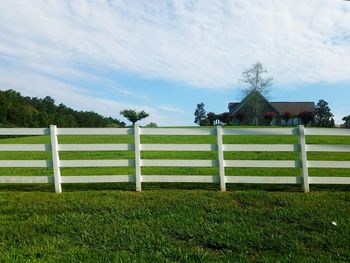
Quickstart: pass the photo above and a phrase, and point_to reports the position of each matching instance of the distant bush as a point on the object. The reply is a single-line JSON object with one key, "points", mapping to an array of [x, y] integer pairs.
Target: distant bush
{"points": [[151, 125]]}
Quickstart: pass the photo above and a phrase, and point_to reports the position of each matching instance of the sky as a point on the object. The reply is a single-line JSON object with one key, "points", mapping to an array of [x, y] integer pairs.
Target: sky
{"points": [[166, 56]]}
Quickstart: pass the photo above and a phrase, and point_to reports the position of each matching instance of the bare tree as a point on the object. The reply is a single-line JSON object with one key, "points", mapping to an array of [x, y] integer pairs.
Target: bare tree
{"points": [[258, 87]]}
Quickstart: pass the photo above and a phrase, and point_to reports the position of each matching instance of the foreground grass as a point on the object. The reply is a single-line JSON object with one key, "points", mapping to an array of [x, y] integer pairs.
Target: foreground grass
{"points": [[174, 225]]}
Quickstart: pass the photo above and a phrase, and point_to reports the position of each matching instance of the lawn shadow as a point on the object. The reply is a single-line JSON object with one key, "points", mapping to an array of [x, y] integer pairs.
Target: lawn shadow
{"points": [[180, 186], [81, 187], [27, 187]]}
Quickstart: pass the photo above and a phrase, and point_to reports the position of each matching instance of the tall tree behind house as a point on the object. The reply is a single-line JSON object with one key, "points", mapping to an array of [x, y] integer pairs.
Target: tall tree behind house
{"points": [[257, 85]]}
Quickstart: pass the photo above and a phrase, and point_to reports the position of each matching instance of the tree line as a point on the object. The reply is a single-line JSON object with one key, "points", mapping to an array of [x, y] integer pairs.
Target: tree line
{"points": [[19, 111]]}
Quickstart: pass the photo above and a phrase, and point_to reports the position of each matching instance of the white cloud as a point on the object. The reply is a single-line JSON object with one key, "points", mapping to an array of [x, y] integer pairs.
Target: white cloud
{"points": [[200, 43], [170, 108]]}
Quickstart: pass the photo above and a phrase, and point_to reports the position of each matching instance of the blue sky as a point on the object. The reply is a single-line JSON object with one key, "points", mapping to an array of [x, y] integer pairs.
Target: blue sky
{"points": [[166, 56]]}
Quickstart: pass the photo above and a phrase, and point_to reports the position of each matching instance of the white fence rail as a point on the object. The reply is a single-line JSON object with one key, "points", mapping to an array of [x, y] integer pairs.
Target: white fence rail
{"points": [[302, 148]]}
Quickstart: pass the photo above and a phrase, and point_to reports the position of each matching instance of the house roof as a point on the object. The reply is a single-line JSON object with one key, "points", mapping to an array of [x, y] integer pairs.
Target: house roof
{"points": [[238, 106], [232, 105], [293, 107]]}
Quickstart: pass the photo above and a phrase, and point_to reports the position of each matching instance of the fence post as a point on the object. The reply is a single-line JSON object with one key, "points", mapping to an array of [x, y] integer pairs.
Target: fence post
{"points": [[137, 158], [221, 158], [55, 159], [303, 157]]}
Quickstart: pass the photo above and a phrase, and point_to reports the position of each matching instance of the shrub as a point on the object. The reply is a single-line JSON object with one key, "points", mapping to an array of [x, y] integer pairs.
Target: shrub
{"points": [[211, 116], [286, 116], [152, 125], [240, 116], [268, 116], [226, 118]]}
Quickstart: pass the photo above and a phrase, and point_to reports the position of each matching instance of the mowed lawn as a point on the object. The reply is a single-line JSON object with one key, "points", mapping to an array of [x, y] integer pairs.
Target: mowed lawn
{"points": [[175, 226], [174, 222]]}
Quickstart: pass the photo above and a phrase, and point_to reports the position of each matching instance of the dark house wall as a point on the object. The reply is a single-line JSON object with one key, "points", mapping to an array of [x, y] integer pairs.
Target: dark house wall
{"points": [[248, 120], [253, 102]]}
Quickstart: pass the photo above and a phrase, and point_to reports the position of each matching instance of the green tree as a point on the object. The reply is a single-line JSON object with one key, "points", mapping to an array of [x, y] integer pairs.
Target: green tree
{"points": [[133, 116], [257, 85], [346, 120], [323, 115], [49, 104], [306, 117], [44, 119], [65, 120], [87, 119], [200, 114]]}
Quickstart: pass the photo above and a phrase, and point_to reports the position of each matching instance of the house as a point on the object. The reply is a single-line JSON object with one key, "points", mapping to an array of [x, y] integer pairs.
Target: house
{"points": [[256, 109]]}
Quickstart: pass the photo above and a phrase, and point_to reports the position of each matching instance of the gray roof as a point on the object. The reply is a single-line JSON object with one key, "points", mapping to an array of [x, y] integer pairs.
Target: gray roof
{"points": [[232, 105], [293, 107]]}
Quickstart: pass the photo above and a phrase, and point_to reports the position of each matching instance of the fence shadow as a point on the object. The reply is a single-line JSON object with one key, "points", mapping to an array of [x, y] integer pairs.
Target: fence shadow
{"points": [[82, 187], [27, 188]]}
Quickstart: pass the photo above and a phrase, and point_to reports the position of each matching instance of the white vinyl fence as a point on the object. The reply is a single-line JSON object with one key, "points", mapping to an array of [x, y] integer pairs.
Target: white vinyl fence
{"points": [[138, 163]]}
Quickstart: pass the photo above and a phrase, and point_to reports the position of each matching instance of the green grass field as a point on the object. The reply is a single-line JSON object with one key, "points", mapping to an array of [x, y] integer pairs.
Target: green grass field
{"points": [[89, 155], [174, 222]]}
